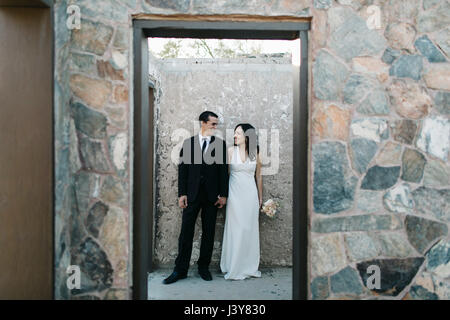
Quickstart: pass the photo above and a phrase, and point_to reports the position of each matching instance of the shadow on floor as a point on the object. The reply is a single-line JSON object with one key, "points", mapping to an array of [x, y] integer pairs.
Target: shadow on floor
{"points": [[274, 284]]}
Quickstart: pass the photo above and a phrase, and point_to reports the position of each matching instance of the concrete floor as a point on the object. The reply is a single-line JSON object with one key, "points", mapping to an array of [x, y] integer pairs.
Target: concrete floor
{"points": [[274, 284]]}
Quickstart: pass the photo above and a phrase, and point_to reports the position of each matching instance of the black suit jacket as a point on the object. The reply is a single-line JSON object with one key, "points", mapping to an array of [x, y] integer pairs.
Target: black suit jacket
{"points": [[215, 173]]}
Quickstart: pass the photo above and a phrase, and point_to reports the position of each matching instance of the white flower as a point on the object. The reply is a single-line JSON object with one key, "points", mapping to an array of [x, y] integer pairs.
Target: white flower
{"points": [[269, 208]]}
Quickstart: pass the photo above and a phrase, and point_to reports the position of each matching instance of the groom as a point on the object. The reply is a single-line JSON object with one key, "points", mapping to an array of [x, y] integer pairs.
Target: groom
{"points": [[202, 184]]}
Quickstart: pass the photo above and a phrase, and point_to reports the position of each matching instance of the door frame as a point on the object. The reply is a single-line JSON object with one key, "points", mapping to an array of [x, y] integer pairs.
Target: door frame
{"points": [[214, 27], [47, 4]]}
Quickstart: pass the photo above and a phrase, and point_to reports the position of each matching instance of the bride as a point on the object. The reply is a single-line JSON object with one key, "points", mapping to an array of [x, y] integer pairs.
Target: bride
{"points": [[240, 246]]}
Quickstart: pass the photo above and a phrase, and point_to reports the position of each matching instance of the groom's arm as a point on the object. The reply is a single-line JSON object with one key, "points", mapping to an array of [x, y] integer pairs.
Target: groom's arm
{"points": [[183, 170], [223, 172]]}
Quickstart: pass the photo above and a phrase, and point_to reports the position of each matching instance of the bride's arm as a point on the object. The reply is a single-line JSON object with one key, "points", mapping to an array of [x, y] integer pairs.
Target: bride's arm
{"points": [[229, 155], [258, 178]]}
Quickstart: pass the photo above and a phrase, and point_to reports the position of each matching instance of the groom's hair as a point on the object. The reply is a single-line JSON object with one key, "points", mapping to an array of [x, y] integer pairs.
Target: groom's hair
{"points": [[204, 116]]}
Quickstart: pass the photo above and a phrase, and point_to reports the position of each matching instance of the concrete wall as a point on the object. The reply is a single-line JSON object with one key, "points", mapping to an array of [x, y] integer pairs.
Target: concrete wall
{"points": [[253, 90], [379, 138]]}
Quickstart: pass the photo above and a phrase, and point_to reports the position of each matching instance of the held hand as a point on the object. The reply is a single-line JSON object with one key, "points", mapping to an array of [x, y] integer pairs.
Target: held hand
{"points": [[260, 202], [221, 201], [182, 202]]}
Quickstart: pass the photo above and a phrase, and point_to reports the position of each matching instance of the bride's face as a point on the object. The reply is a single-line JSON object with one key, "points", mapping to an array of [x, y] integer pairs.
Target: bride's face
{"points": [[239, 137]]}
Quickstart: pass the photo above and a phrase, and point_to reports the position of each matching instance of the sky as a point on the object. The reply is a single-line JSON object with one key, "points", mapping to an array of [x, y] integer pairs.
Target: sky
{"points": [[267, 46]]}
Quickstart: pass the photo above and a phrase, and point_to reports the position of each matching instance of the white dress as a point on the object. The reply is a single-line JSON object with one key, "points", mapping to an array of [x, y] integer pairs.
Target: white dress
{"points": [[240, 246]]}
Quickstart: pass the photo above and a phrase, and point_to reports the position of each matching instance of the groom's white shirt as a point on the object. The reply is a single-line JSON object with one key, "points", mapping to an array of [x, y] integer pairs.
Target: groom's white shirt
{"points": [[200, 139]]}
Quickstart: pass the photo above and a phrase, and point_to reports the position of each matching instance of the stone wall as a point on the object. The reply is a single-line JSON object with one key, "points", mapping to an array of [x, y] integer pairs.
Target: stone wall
{"points": [[380, 142], [379, 138], [253, 90]]}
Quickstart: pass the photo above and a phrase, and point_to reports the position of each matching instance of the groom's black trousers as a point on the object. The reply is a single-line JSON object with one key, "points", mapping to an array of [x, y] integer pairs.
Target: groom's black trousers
{"points": [[209, 214]]}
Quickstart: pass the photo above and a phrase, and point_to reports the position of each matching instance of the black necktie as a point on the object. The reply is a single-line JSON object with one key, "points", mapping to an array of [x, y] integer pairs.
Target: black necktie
{"points": [[204, 145]]}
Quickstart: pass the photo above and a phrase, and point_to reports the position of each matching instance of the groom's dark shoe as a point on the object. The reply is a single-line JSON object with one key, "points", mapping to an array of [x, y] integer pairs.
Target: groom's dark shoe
{"points": [[174, 277], [205, 274]]}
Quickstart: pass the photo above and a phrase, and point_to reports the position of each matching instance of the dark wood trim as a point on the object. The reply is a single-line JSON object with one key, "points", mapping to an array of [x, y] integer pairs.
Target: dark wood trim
{"points": [[143, 137], [219, 18], [27, 3], [142, 148], [301, 177], [52, 14]]}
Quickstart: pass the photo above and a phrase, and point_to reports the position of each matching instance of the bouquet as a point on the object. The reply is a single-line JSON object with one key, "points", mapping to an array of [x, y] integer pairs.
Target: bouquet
{"points": [[270, 208]]}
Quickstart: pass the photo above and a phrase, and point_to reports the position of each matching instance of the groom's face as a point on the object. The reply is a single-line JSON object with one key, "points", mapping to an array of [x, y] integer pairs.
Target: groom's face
{"points": [[210, 126]]}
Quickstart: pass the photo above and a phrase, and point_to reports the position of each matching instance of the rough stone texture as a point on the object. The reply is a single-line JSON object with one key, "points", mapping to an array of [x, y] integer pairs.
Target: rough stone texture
{"points": [[427, 4], [93, 155], [390, 55], [115, 243], [87, 186], [356, 88], [420, 293], [402, 10], [437, 76], [106, 70], [361, 246], [114, 191], [433, 202], [90, 122], [351, 37], [395, 245], [442, 102], [434, 19], [369, 65], [400, 35], [428, 49], [379, 178], [346, 281], [407, 66], [94, 266], [319, 288], [95, 217], [331, 122], [436, 174], [399, 199], [334, 185], [396, 274], [404, 131], [410, 99], [438, 259], [326, 255], [322, 4], [329, 75], [390, 155], [361, 153], [92, 37], [423, 232], [434, 137], [370, 128], [413, 165], [356, 223], [369, 201], [442, 40], [376, 103]]}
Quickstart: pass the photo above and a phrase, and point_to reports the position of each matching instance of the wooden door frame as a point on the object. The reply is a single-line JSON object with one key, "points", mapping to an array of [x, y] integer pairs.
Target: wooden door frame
{"points": [[49, 4], [215, 27]]}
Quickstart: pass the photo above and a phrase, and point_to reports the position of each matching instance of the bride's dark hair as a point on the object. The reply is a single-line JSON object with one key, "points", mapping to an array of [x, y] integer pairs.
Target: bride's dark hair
{"points": [[251, 139]]}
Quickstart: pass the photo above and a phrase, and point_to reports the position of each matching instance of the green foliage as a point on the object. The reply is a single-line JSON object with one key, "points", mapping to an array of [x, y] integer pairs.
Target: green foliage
{"points": [[201, 48]]}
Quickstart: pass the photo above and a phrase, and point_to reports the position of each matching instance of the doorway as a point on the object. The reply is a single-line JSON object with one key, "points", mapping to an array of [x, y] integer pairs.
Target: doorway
{"points": [[26, 161], [143, 204]]}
